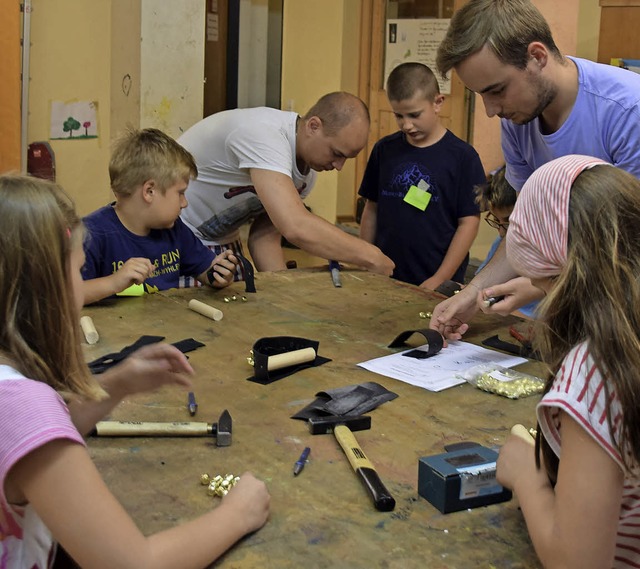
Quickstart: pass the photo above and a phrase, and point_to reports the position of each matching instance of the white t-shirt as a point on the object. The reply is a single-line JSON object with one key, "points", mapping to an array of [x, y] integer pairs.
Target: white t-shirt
{"points": [[225, 146]]}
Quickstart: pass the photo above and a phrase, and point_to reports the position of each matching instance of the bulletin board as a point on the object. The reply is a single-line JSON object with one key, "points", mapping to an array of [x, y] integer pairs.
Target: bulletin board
{"points": [[415, 40]]}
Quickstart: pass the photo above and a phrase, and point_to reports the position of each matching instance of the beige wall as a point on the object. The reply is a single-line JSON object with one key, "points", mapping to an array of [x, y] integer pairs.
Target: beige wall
{"points": [[70, 61], [318, 59], [350, 65], [140, 60], [83, 50], [126, 21]]}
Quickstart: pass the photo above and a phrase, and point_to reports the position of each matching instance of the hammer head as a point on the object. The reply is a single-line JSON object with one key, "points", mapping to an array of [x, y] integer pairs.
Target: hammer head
{"points": [[222, 430], [324, 425]]}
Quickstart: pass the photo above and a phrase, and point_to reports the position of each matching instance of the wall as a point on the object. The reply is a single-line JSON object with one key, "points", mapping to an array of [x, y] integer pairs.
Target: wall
{"points": [[82, 51], [172, 64], [126, 21], [252, 52], [350, 62], [141, 60], [318, 59], [70, 61]]}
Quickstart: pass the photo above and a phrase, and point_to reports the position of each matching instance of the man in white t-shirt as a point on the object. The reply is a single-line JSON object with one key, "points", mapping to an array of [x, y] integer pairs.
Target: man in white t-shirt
{"points": [[257, 165]]}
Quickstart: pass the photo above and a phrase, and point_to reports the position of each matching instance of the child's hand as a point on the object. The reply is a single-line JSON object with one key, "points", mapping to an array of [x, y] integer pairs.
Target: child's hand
{"points": [[517, 293], [516, 459], [248, 502], [222, 270], [134, 271], [147, 369]]}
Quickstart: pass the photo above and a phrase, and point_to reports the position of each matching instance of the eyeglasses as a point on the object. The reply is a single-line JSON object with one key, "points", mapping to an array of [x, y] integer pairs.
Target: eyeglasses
{"points": [[494, 222]]}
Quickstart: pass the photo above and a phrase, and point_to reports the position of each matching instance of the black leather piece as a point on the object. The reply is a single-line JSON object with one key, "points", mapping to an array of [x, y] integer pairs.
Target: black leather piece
{"points": [[272, 346], [350, 400], [249, 276], [434, 339], [515, 349], [103, 363]]}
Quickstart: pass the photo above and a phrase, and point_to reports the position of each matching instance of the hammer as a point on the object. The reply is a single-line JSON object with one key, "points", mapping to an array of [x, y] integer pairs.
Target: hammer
{"points": [[341, 428], [221, 430]]}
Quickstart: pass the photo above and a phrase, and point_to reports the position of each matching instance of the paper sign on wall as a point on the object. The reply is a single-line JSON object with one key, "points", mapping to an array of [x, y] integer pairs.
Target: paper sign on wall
{"points": [[415, 40], [74, 121]]}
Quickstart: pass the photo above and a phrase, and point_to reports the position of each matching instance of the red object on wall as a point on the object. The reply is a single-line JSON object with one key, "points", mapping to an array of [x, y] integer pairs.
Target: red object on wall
{"points": [[41, 161]]}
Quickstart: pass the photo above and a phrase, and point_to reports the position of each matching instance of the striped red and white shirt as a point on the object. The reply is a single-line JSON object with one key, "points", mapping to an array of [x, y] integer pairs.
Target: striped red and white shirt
{"points": [[31, 415], [578, 390]]}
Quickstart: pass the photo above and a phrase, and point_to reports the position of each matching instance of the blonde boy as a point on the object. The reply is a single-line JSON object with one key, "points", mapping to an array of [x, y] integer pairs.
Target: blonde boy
{"points": [[139, 239]]}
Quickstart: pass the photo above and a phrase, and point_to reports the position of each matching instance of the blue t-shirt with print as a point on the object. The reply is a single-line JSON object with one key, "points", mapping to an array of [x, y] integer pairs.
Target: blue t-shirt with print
{"points": [[417, 241], [175, 252]]}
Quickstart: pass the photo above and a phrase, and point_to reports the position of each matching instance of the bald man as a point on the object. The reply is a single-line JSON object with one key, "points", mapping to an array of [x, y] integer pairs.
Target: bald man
{"points": [[257, 165]]}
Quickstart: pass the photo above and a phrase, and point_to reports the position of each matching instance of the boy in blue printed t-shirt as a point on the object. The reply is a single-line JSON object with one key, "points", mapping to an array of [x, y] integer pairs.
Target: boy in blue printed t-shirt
{"points": [[139, 239], [420, 205]]}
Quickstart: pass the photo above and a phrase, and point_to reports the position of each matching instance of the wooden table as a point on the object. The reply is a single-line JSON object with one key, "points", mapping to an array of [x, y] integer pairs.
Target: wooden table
{"points": [[322, 518]]}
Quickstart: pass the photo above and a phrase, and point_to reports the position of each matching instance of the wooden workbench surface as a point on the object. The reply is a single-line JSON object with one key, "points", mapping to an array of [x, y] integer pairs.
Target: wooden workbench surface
{"points": [[323, 517]]}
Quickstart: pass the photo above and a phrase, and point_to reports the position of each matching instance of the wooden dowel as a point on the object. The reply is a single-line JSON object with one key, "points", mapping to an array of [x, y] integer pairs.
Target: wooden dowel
{"points": [[205, 309], [89, 330], [290, 358]]}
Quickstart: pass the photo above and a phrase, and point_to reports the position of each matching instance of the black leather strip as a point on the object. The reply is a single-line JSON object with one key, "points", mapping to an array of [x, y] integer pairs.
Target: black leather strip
{"points": [[275, 345], [434, 339], [515, 349], [103, 363], [247, 269]]}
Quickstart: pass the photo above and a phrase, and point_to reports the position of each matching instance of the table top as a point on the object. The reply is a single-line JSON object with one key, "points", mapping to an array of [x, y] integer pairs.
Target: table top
{"points": [[323, 517]]}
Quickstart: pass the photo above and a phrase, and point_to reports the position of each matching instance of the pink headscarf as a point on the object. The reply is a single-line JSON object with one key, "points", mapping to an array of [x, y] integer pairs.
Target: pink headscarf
{"points": [[537, 238]]}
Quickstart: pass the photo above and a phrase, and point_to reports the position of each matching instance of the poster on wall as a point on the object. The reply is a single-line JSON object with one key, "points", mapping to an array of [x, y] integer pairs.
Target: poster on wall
{"points": [[74, 120], [415, 40]]}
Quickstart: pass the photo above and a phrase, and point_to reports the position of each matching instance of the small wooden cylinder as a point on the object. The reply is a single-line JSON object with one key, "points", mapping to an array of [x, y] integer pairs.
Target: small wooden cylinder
{"points": [[290, 358], [521, 431], [89, 330], [205, 309]]}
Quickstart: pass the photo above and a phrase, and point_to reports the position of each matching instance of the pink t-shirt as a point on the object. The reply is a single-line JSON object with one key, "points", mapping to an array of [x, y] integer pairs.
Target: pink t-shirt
{"points": [[31, 415], [578, 390]]}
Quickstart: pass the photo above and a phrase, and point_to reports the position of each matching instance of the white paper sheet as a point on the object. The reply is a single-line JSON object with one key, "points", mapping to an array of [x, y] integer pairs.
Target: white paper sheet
{"points": [[438, 372]]}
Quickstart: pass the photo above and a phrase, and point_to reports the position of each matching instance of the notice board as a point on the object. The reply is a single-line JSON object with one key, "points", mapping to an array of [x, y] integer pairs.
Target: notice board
{"points": [[415, 40]]}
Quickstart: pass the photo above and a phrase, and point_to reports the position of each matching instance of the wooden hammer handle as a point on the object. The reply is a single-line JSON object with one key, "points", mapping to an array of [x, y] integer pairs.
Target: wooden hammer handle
{"points": [[146, 429]]}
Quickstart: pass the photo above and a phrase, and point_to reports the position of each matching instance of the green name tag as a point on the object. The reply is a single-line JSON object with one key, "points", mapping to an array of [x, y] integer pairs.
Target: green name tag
{"points": [[133, 290], [418, 198]]}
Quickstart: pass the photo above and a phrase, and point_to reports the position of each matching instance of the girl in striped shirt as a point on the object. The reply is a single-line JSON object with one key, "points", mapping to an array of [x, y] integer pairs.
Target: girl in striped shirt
{"points": [[50, 490], [575, 232]]}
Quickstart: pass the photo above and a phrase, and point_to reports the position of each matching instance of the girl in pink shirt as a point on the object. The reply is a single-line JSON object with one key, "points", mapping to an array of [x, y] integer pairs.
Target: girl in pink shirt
{"points": [[50, 490]]}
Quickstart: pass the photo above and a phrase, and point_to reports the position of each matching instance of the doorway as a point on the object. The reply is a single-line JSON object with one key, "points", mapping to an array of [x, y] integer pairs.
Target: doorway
{"points": [[243, 54]]}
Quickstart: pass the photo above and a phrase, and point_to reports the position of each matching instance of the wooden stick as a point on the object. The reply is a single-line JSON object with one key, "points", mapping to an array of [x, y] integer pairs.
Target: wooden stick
{"points": [[89, 330], [290, 358], [521, 431], [205, 310]]}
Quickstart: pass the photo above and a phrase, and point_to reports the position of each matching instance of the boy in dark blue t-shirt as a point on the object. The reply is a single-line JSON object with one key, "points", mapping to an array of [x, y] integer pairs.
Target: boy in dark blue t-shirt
{"points": [[139, 239], [420, 205]]}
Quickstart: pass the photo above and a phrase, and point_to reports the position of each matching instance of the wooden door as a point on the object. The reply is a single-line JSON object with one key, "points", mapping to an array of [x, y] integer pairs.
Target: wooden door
{"points": [[10, 92], [455, 111], [215, 56], [619, 20]]}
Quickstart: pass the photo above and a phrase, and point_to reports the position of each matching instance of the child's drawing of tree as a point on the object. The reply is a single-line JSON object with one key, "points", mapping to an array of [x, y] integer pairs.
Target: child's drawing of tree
{"points": [[70, 125], [86, 125]]}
